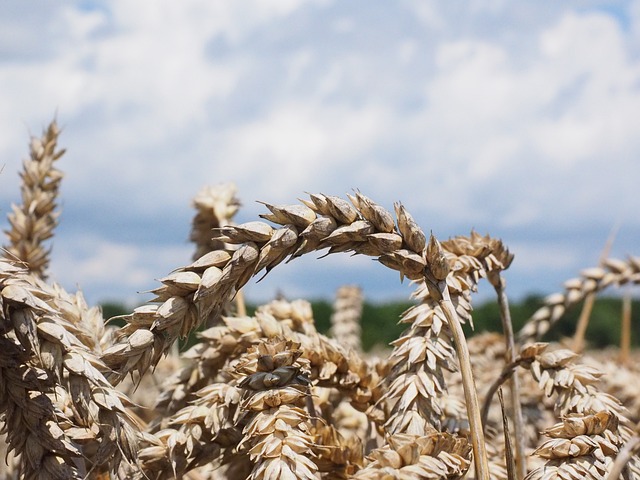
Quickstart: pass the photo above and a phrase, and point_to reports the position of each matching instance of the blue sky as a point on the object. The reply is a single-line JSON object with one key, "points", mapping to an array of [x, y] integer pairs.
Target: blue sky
{"points": [[518, 119]]}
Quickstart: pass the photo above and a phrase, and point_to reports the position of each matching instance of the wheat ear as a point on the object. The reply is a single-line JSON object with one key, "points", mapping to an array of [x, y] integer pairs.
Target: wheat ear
{"points": [[33, 222], [215, 207], [192, 294], [612, 272], [49, 400], [345, 319], [435, 455], [582, 446]]}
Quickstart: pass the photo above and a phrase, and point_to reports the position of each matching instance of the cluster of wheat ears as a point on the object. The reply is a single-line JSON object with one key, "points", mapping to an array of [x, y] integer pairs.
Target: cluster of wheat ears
{"points": [[267, 396]]}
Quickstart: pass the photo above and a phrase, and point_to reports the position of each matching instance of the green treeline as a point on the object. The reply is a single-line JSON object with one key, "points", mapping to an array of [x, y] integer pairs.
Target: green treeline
{"points": [[380, 321]]}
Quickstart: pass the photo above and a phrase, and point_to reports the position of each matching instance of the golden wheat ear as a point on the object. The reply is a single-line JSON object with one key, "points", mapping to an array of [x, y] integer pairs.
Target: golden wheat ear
{"points": [[215, 208], [592, 280], [346, 316], [33, 222]]}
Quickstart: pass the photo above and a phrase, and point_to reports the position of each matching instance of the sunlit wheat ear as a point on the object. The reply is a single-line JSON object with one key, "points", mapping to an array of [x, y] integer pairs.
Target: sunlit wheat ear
{"points": [[277, 432], [435, 455], [33, 222], [195, 436], [345, 319], [192, 294], [612, 272], [61, 408], [215, 207], [582, 446]]}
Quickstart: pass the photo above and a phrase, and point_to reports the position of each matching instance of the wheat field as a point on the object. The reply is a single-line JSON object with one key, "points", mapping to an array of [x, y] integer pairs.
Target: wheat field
{"points": [[265, 396]]}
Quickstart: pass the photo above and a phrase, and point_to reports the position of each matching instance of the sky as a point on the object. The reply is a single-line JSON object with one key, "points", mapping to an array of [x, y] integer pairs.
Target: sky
{"points": [[516, 119]]}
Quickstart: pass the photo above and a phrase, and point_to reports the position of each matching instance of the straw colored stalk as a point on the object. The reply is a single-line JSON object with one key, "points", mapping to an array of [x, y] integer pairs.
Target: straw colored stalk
{"points": [[95, 419], [596, 279], [581, 446], [625, 333], [577, 344], [33, 222], [499, 284], [345, 319]]}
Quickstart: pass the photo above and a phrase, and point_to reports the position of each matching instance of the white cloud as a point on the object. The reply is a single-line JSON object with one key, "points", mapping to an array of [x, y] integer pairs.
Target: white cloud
{"points": [[492, 116], [297, 147], [107, 270]]}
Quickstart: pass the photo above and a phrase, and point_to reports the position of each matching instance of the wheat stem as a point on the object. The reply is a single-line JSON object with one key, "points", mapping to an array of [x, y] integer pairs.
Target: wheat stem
{"points": [[625, 334], [468, 383], [577, 344], [499, 285]]}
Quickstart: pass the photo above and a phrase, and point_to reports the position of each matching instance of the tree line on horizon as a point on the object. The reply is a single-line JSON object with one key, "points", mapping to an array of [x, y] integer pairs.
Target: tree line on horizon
{"points": [[380, 320]]}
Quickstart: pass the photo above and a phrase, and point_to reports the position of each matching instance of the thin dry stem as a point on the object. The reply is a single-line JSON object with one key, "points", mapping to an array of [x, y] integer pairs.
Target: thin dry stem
{"points": [[499, 285], [577, 344], [468, 383], [625, 334]]}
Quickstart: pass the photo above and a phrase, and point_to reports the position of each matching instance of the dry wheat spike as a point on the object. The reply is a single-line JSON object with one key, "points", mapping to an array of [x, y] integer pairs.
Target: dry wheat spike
{"points": [[191, 295], [33, 222], [592, 280], [61, 413], [177, 446], [345, 319], [215, 207]]}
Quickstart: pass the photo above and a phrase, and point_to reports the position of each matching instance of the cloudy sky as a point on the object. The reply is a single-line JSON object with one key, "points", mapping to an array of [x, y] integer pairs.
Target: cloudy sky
{"points": [[518, 119]]}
